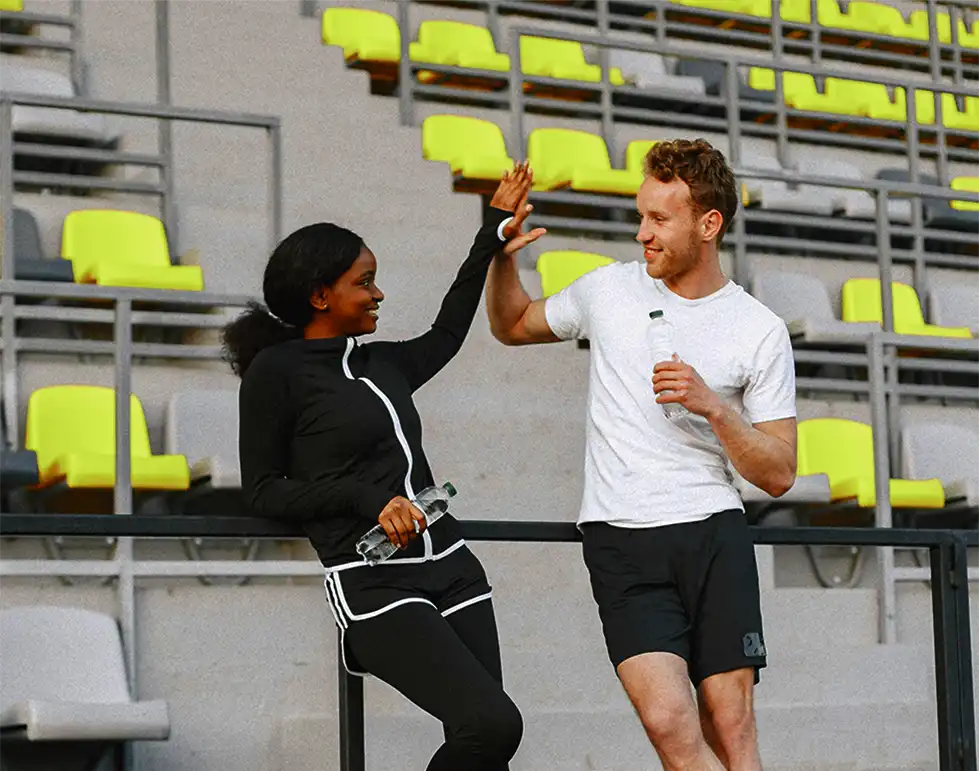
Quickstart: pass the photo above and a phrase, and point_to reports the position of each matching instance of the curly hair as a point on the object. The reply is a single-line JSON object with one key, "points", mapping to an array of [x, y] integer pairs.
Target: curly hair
{"points": [[705, 171]]}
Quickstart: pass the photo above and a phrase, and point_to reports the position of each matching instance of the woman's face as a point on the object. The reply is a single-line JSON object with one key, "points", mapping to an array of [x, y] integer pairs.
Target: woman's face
{"points": [[351, 304]]}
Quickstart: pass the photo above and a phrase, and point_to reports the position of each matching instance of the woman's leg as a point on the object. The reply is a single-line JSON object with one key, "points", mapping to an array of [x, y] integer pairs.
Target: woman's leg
{"points": [[415, 650]]}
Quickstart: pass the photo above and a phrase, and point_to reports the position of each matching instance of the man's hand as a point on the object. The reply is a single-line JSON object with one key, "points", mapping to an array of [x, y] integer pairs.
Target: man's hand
{"points": [[402, 521], [677, 382], [513, 188]]}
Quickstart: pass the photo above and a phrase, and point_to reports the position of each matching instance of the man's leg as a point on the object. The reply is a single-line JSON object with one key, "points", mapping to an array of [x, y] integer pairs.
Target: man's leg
{"points": [[659, 687], [710, 734], [727, 706]]}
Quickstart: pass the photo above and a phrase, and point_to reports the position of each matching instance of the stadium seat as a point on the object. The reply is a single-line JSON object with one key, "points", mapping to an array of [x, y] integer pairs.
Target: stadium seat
{"points": [[558, 269], [473, 148], [863, 16], [870, 100], [966, 119], [561, 59], [649, 71], [12, 5], [202, 426], [844, 451], [46, 122], [938, 212], [29, 261], [364, 35], [635, 156], [18, 468], [966, 185], [803, 303], [122, 248], [65, 693], [947, 451], [771, 194], [861, 302], [854, 203], [456, 44], [576, 159], [72, 430], [967, 37], [714, 75], [955, 306], [799, 91]]}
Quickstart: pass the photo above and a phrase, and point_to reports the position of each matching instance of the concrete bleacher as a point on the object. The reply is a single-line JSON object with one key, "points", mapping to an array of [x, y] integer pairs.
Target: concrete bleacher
{"points": [[248, 672]]}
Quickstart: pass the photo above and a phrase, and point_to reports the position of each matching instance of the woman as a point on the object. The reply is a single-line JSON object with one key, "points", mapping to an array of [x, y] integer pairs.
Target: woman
{"points": [[329, 436]]}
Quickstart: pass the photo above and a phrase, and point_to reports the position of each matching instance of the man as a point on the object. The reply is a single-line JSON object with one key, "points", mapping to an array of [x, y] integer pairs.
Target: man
{"points": [[670, 557]]}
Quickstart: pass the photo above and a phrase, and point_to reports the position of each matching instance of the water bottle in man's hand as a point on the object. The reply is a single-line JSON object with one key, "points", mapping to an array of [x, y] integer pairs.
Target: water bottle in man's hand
{"points": [[433, 502], [659, 338]]}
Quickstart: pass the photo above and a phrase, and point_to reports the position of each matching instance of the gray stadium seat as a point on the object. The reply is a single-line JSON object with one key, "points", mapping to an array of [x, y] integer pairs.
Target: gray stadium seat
{"points": [[715, 80], [771, 194], [18, 468], [89, 128], [203, 426], [857, 204], [649, 71], [954, 306], [804, 305], [63, 690], [947, 451], [938, 213], [29, 261]]}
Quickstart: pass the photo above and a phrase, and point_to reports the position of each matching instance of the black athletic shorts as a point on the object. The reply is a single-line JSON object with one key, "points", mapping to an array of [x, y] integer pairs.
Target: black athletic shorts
{"points": [[689, 589]]}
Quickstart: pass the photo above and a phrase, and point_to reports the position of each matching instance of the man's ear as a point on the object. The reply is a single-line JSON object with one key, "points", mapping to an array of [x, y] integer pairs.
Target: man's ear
{"points": [[320, 299], [711, 224]]}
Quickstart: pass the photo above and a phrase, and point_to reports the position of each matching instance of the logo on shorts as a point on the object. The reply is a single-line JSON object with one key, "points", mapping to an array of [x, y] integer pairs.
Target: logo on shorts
{"points": [[753, 645]]}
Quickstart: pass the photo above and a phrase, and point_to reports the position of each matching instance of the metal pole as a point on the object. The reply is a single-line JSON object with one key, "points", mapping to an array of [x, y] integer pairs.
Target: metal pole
{"points": [[165, 127], [884, 260], [275, 185], [406, 83], [493, 19], [781, 138], [350, 694], [7, 301], [516, 97], [947, 674], [608, 125], [960, 584], [123, 493], [78, 79], [887, 599]]}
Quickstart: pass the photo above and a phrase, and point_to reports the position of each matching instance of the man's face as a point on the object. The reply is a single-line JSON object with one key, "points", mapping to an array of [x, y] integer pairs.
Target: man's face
{"points": [[670, 228]]}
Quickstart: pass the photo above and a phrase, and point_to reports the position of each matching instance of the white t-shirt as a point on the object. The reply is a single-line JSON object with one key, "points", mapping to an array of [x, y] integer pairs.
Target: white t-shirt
{"points": [[641, 469]]}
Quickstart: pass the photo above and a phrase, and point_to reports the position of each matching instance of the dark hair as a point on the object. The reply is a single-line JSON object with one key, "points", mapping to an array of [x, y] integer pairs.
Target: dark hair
{"points": [[703, 168], [312, 257]]}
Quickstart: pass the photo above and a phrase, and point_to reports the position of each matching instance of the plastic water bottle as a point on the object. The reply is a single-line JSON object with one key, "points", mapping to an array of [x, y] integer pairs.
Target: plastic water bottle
{"points": [[375, 546], [659, 338]]}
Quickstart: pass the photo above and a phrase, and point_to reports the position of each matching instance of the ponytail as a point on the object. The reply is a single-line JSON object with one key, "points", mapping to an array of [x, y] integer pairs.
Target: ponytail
{"points": [[250, 333]]}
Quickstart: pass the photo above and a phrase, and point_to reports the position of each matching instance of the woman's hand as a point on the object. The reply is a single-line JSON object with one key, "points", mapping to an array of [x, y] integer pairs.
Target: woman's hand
{"points": [[513, 187], [402, 521]]}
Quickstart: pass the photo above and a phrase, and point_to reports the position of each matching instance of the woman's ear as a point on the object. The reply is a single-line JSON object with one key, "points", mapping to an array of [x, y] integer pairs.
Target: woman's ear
{"points": [[320, 299]]}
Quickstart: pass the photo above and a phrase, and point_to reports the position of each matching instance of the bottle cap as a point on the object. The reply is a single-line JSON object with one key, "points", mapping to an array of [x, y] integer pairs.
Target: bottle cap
{"points": [[449, 489], [656, 314]]}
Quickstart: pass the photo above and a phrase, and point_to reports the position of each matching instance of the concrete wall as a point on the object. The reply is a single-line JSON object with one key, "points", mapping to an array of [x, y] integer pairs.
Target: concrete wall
{"points": [[249, 671]]}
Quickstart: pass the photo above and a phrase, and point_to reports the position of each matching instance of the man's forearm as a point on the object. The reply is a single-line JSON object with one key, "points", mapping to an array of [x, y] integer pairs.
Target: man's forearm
{"points": [[506, 299], [764, 460]]}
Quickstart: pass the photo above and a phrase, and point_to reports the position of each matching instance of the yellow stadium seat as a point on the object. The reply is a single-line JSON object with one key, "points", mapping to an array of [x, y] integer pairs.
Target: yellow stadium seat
{"points": [[11, 5], [967, 185], [868, 99], [797, 11], [800, 92], [364, 35], [862, 303], [967, 37], [456, 44], [122, 248], [635, 156], [863, 16], [560, 268], [473, 148], [843, 450], [576, 159], [561, 59], [966, 119], [72, 430]]}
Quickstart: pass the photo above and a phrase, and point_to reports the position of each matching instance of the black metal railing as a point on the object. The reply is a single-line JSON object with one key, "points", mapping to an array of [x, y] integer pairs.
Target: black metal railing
{"points": [[955, 704]]}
